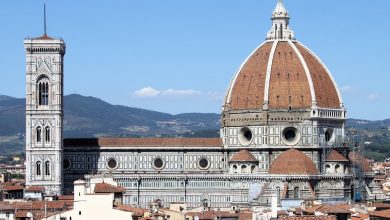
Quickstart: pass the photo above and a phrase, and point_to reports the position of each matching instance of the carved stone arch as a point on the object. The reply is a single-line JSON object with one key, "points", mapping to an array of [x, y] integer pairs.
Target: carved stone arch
{"points": [[48, 158], [300, 185], [279, 184], [275, 184], [326, 185], [39, 122], [45, 77], [38, 158], [43, 65]]}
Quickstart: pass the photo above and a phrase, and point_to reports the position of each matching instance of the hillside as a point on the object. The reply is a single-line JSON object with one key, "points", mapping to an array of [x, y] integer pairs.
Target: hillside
{"points": [[92, 117]]}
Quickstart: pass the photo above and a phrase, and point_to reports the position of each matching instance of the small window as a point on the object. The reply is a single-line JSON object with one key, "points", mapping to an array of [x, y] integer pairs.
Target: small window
{"points": [[296, 193], [203, 163], [66, 164], [245, 136], [43, 91], [328, 135], [290, 136], [243, 169], [47, 134], [253, 167], [38, 168], [158, 163], [112, 163], [39, 134], [47, 168]]}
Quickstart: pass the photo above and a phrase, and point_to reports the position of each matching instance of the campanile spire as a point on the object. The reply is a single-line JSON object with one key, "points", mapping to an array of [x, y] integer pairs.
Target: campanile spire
{"points": [[280, 29]]}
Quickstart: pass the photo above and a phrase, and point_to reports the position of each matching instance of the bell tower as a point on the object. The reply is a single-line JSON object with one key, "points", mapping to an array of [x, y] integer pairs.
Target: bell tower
{"points": [[44, 112]]}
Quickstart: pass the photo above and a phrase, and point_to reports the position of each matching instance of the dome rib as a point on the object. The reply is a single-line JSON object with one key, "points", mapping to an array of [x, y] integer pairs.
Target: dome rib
{"points": [[268, 76], [340, 98], [238, 95], [309, 84], [233, 81], [289, 86], [307, 72]]}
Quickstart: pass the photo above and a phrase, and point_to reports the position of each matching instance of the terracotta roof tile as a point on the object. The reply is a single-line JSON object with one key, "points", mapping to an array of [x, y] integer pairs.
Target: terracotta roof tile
{"points": [[288, 86], [22, 214], [35, 189], [40, 205], [362, 162], [293, 162], [211, 215], [66, 197], [328, 209], [325, 89], [143, 142], [335, 156], [251, 76], [244, 155], [310, 217], [382, 214], [6, 206], [108, 188], [288, 79], [44, 37], [13, 187], [380, 205], [136, 211]]}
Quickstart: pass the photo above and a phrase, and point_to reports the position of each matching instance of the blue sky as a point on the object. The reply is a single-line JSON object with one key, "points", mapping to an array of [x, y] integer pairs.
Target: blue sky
{"points": [[178, 56]]}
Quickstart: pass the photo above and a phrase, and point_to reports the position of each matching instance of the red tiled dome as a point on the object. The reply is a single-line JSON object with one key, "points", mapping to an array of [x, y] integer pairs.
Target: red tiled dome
{"points": [[282, 74], [293, 162], [244, 155]]}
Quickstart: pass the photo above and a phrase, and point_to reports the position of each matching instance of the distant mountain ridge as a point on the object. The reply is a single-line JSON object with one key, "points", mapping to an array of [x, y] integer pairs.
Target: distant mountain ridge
{"points": [[92, 117]]}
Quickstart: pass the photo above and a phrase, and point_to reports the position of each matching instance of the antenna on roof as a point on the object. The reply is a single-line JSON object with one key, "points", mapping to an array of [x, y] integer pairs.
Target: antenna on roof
{"points": [[44, 19]]}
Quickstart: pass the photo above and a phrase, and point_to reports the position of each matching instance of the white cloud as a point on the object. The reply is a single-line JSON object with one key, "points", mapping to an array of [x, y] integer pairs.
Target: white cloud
{"points": [[372, 96], [186, 92], [216, 95], [346, 88], [147, 92]]}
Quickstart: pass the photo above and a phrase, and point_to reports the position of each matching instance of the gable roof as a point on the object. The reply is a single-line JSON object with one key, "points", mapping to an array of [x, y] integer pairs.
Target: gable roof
{"points": [[108, 188], [327, 208], [244, 155], [335, 156], [143, 142]]}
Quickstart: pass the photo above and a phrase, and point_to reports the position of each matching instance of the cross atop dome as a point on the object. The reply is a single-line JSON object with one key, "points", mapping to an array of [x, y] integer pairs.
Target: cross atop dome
{"points": [[280, 29]]}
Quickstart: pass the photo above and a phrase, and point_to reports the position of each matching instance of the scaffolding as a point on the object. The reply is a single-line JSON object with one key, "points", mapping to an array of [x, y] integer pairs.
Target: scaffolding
{"points": [[349, 144]]}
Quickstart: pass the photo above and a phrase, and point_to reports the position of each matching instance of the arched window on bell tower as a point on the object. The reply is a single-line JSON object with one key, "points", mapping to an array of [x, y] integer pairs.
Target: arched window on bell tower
{"points": [[47, 168], [39, 134], [38, 168], [43, 91], [47, 134], [296, 193]]}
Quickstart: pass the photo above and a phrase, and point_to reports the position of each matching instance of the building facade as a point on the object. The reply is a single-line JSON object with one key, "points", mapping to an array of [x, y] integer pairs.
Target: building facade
{"points": [[282, 129], [44, 112]]}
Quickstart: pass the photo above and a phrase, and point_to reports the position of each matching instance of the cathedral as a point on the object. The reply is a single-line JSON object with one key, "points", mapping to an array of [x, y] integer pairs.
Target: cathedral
{"points": [[282, 135]]}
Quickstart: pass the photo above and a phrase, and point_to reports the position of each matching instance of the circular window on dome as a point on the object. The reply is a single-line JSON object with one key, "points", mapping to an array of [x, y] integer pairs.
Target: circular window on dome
{"points": [[158, 163], [112, 163], [245, 136], [203, 163], [290, 136], [328, 135], [66, 164]]}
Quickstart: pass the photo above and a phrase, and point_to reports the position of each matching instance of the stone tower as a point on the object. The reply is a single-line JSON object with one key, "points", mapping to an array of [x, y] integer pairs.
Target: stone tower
{"points": [[44, 112]]}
